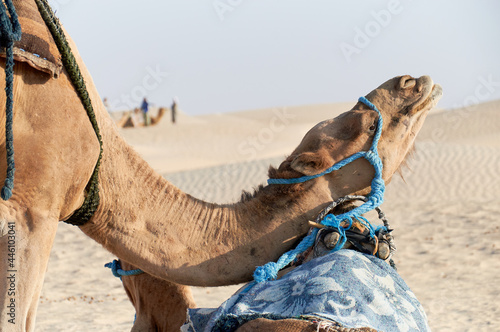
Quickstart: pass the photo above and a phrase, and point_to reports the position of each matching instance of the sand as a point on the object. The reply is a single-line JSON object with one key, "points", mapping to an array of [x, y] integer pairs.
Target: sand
{"points": [[445, 211]]}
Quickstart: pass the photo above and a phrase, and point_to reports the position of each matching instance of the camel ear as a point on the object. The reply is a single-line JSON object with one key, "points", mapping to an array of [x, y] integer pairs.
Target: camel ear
{"points": [[311, 163]]}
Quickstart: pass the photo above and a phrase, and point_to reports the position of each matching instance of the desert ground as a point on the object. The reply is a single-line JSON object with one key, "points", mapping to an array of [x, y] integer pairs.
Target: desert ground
{"points": [[445, 211]]}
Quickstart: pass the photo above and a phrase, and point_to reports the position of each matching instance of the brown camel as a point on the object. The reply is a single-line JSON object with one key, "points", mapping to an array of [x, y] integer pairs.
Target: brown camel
{"points": [[127, 122], [145, 220], [404, 103]]}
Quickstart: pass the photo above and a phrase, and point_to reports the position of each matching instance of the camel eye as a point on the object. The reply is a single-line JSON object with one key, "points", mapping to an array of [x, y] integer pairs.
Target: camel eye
{"points": [[373, 126]]}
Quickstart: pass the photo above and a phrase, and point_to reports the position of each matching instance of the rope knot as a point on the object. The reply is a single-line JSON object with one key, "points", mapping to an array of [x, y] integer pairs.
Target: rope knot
{"points": [[371, 155], [117, 271], [379, 185], [377, 198], [114, 266], [6, 192], [266, 272], [331, 220], [10, 29]]}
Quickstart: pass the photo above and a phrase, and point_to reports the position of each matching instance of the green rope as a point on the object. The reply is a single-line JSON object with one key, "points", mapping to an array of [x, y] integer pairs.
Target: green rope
{"points": [[91, 202]]}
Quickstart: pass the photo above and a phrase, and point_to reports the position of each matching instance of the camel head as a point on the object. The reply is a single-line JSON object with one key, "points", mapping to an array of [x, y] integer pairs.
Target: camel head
{"points": [[404, 103]]}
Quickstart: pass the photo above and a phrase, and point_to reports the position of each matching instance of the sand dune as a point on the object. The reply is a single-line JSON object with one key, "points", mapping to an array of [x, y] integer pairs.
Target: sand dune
{"points": [[445, 212], [210, 140]]}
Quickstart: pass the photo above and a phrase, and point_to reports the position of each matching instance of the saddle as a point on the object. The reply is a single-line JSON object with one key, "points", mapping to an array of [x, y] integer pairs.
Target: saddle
{"points": [[36, 47]]}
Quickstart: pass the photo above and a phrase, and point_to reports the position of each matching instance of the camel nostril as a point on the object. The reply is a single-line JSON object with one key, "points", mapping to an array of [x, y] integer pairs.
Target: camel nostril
{"points": [[407, 82]]}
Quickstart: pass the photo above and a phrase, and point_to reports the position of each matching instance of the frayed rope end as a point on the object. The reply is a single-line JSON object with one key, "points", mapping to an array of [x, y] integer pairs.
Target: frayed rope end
{"points": [[114, 266], [6, 193], [266, 272]]}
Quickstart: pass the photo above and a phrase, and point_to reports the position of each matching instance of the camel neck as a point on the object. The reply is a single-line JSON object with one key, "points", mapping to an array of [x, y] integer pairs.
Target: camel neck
{"points": [[150, 223]]}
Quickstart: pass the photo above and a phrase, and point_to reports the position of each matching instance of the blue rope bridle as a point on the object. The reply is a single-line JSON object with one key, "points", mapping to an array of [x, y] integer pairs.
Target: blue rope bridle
{"points": [[117, 271], [375, 198], [10, 31]]}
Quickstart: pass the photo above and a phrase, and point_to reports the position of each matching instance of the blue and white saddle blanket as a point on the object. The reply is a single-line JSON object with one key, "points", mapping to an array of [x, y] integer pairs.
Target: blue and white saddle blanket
{"points": [[348, 287]]}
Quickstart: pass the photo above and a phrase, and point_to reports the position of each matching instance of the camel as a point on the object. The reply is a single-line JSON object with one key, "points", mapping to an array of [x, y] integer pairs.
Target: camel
{"points": [[127, 122], [145, 220], [403, 114]]}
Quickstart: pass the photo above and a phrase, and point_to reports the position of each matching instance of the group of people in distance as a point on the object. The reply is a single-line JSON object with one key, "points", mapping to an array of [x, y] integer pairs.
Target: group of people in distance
{"points": [[141, 115], [145, 111]]}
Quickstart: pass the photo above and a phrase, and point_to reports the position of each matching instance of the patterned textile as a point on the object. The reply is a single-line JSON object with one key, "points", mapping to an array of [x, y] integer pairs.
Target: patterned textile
{"points": [[348, 287]]}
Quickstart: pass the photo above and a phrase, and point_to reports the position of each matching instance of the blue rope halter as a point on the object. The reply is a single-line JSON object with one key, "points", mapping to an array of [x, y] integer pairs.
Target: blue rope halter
{"points": [[117, 271], [270, 270], [10, 31]]}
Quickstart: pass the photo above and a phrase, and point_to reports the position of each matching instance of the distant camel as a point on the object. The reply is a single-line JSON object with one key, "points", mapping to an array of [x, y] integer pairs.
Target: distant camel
{"points": [[404, 103], [127, 120]]}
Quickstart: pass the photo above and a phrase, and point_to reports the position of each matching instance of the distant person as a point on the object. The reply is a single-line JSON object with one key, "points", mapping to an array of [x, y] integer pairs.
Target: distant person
{"points": [[174, 110], [105, 102], [145, 109]]}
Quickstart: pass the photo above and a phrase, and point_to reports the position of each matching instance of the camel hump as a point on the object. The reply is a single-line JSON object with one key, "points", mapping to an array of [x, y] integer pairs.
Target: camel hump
{"points": [[36, 47]]}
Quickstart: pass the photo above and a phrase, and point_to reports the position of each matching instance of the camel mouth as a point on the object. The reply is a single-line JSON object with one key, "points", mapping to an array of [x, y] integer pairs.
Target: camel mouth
{"points": [[429, 100], [436, 93]]}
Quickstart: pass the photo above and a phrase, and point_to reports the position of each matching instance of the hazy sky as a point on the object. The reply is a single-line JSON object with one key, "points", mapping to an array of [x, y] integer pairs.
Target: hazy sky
{"points": [[229, 55]]}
